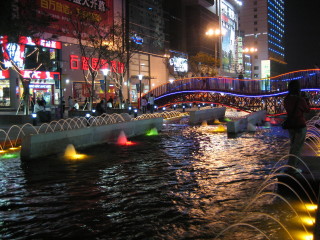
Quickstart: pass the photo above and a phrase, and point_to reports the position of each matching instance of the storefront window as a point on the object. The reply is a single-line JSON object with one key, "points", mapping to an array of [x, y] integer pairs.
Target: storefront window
{"points": [[47, 57], [4, 93], [140, 66]]}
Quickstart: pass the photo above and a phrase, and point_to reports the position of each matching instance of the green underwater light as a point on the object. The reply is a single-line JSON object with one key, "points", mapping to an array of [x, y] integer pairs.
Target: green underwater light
{"points": [[152, 132], [227, 120], [9, 155]]}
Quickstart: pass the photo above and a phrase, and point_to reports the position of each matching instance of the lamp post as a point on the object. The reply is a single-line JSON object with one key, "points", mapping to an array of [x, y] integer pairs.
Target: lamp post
{"points": [[250, 51], [140, 78], [217, 33], [105, 74]]}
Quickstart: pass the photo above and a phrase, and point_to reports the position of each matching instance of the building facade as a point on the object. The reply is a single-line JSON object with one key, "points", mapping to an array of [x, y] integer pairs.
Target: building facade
{"points": [[262, 22]]}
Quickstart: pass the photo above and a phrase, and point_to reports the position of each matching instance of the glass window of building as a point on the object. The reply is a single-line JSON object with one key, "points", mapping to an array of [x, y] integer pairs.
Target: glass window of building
{"points": [[47, 57]]}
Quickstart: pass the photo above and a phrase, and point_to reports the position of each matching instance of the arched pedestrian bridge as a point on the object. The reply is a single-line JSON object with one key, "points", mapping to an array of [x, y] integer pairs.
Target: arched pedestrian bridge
{"points": [[243, 94]]}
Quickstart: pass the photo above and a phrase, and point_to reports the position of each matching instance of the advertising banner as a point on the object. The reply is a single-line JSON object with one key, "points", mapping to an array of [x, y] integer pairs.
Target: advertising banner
{"points": [[60, 10], [229, 25]]}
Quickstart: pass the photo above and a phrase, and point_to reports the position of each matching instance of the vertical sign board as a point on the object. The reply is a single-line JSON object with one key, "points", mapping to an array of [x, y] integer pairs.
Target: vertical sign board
{"points": [[229, 27], [265, 74]]}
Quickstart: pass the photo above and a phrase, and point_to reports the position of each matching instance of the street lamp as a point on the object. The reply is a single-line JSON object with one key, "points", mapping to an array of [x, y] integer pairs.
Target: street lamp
{"points": [[250, 51], [140, 76], [105, 72], [218, 33]]}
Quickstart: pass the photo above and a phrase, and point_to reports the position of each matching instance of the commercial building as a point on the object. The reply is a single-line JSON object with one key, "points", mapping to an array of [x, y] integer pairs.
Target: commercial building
{"points": [[262, 22], [166, 32]]}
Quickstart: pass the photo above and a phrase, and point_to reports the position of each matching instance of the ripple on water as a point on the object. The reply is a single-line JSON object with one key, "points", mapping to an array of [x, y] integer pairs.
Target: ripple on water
{"points": [[182, 184]]}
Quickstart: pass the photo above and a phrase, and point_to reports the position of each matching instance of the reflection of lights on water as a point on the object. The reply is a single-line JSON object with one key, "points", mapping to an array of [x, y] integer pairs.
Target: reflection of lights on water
{"points": [[128, 143], [216, 121], [3, 151], [76, 156], [14, 148], [214, 129]]}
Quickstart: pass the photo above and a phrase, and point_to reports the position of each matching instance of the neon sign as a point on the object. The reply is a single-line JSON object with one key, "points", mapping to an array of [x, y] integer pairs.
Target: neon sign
{"points": [[179, 64], [40, 42], [39, 75], [40, 86], [136, 39], [83, 63]]}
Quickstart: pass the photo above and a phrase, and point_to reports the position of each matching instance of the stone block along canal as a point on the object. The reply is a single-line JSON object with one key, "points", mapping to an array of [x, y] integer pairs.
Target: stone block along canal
{"points": [[184, 183]]}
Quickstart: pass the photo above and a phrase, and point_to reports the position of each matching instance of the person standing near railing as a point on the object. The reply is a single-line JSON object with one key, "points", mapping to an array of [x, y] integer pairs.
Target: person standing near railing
{"points": [[240, 77], [296, 104], [144, 103], [151, 102]]}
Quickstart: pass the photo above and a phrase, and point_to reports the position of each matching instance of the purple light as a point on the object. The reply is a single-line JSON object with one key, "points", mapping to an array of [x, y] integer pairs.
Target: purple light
{"points": [[233, 94]]}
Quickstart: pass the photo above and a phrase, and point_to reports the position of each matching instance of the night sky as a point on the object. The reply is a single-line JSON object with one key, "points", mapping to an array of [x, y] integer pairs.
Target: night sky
{"points": [[302, 34]]}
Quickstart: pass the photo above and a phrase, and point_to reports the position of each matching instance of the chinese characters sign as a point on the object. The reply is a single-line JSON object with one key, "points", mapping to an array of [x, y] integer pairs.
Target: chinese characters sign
{"points": [[83, 63], [60, 10], [40, 42], [99, 5]]}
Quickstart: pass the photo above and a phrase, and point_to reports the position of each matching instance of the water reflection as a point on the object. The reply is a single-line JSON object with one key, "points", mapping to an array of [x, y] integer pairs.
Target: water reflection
{"points": [[182, 184]]}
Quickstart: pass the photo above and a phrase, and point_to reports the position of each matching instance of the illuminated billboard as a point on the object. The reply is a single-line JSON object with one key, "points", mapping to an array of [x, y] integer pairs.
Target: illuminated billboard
{"points": [[229, 26], [265, 74], [60, 10]]}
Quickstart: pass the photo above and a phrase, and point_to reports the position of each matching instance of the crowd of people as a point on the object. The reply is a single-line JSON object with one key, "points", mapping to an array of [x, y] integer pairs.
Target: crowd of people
{"points": [[103, 105]]}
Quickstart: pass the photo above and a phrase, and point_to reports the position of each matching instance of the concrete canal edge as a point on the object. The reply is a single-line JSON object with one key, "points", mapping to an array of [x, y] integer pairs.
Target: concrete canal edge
{"points": [[242, 124], [197, 117], [40, 145]]}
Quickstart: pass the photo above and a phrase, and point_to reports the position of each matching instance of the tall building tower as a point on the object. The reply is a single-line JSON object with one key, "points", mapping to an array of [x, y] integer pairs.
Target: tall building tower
{"points": [[262, 22]]}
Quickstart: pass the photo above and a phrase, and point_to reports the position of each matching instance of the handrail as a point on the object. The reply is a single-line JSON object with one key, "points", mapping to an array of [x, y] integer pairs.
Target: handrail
{"points": [[309, 79]]}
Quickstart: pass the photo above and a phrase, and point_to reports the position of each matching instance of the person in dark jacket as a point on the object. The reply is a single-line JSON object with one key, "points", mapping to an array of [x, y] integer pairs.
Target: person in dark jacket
{"points": [[100, 108], [296, 105]]}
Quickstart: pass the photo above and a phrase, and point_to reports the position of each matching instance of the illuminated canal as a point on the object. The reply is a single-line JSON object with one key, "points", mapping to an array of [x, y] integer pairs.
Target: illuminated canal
{"points": [[185, 183]]}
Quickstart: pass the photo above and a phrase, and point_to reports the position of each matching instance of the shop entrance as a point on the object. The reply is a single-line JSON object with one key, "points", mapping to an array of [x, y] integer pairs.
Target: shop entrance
{"points": [[39, 93]]}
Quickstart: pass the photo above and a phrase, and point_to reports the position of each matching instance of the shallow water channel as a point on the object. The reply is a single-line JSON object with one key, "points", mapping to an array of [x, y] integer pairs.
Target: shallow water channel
{"points": [[185, 183]]}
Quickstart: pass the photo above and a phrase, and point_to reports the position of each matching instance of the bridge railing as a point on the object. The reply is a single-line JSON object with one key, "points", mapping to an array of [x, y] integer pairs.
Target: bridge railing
{"points": [[308, 79]]}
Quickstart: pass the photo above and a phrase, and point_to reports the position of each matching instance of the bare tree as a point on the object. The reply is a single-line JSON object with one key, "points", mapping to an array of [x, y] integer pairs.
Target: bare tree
{"points": [[99, 41], [21, 19], [124, 46], [94, 39]]}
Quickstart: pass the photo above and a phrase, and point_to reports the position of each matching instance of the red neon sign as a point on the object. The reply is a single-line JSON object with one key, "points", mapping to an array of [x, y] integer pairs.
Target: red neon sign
{"points": [[4, 74], [40, 42], [82, 63]]}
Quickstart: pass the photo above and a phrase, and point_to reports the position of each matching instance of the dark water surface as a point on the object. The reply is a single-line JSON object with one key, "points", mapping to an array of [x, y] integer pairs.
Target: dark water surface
{"points": [[184, 183]]}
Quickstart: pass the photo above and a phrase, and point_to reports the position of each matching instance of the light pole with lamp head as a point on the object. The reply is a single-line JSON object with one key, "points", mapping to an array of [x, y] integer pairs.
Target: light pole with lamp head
{"points": [[105, 72], [218, 33], [251, 51], [140, 76]]}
